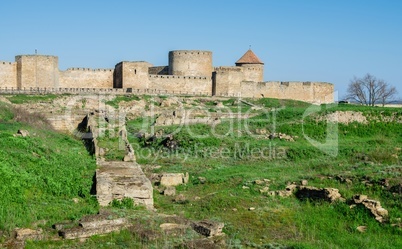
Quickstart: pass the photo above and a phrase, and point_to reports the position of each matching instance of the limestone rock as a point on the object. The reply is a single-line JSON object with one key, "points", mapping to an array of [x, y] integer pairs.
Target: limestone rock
{"points": [[181, 199], [172, 179], [359, 198], [28, 234], [169, 191], [304, 182], [259, 182], [103, 222], [23, 133], [202, 179], [379, 213], [264, 190], [94, 227], [118, 180], [291, 187], [186, 178], [209, 228], [261, 131], [128, 158], [283, 193]]}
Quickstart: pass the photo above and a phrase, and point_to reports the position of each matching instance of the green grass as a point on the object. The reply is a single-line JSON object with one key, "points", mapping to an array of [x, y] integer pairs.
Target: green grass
{"points": [[40, 175], [23, 98], [285, 221], [231, 156], [115, 102]]}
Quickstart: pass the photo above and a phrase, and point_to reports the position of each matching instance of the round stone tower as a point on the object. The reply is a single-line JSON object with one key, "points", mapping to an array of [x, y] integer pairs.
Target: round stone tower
{"points": [[190, 63], [253, 67]]}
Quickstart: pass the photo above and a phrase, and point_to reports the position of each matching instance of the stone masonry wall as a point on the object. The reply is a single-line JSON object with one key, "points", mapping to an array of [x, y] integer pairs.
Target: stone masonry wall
{"points": [[37, 71], [8, 74], [190, 63], [178, 84], [132, 74], [86, 78], [313, 92], [227, 80], [253, 72], [159, 70]]}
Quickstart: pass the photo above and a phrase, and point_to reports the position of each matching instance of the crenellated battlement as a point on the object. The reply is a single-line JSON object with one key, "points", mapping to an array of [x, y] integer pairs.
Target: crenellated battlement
{"points": [[7, 63], [228, 69], [253, 68], [190, 52], [90, 69], [176, 77]]}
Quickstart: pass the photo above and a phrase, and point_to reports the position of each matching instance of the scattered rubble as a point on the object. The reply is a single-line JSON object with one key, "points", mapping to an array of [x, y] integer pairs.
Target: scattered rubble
{"points": [[28, 234], [169, 191], [170, 179], [22, 133], [97, 226], [202, 179], [180, 199], [379, 213], [208, 228], [276, 135]]}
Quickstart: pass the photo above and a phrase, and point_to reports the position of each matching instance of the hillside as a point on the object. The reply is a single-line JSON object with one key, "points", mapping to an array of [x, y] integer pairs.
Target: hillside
{"points": [[241, 155], [45, 177]]}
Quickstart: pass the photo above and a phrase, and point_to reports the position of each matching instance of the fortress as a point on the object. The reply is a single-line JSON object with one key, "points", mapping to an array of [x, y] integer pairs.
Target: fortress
{"points": [[188, 72]]}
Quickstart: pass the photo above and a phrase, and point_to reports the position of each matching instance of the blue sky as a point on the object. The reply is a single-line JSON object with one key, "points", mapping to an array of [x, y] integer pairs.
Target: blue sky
{"points": [[304, 40]]}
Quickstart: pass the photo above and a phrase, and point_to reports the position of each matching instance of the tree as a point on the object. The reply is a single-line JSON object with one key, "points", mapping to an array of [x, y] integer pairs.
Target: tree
{"points": [[370, 91]]}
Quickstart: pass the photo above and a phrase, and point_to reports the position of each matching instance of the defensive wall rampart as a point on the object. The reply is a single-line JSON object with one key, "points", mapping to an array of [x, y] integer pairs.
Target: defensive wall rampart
{"points": [[82, 77], [8, 74], [181, 83], [313, 92], [189, 72]]}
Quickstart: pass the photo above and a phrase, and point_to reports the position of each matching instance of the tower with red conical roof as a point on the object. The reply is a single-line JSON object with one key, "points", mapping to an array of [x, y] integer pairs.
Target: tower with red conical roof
{"points": [[253, 67]]}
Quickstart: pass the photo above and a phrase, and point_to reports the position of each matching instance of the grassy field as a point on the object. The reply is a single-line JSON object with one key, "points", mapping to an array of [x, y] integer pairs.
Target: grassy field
{"points": [[230, 156]]}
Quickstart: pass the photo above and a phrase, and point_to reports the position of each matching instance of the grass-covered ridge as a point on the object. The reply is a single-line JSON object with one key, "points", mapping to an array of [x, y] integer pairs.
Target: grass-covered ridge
{"points": [[41, 174]]}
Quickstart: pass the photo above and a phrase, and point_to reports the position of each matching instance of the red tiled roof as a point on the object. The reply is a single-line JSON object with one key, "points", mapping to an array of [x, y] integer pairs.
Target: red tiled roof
{"points": [[249, 58]]}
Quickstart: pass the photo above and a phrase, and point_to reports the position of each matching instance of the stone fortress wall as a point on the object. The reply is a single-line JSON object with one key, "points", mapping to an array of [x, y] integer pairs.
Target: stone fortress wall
{"points": [[8, 74], [189, 71]]}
